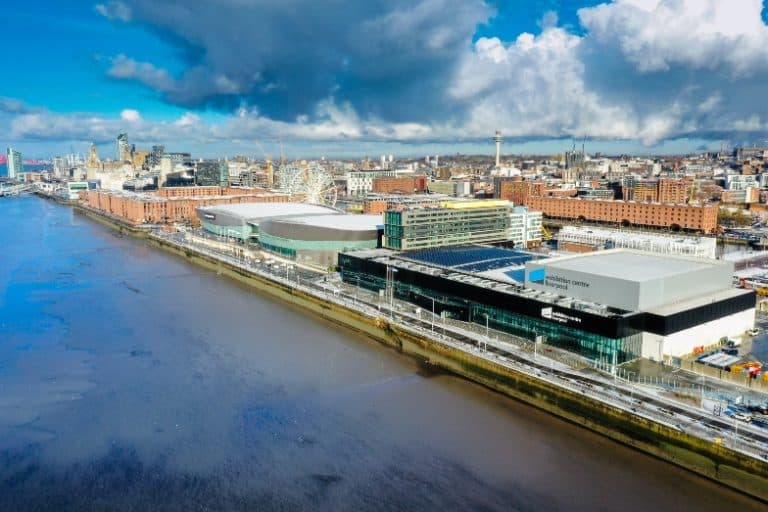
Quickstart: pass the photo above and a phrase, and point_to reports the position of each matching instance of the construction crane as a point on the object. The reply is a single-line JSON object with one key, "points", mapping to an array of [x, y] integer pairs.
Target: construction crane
{"points": [[545, 233], [268, 160]]}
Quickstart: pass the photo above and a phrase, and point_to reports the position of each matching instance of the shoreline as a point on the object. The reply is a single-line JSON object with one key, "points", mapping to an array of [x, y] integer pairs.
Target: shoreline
{"points": [[743, 474]]}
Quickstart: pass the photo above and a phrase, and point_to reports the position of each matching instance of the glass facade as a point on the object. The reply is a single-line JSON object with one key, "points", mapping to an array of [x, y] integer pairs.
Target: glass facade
{"points": [[243, 233], [419, 228], [500, 316]]}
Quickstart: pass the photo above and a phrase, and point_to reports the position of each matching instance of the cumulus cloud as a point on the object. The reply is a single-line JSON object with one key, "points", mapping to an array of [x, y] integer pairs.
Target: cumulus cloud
{"points": [[657, 35], [405, 70], [388, 58], [635, 74]]}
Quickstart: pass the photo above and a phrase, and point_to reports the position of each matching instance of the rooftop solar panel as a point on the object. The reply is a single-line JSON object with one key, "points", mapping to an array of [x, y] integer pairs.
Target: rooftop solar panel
{"points": [[471, 258]]}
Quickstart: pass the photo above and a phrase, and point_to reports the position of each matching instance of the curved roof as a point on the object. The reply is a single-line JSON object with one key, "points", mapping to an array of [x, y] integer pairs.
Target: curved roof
{"points": [[340, 221], [257, 211]]}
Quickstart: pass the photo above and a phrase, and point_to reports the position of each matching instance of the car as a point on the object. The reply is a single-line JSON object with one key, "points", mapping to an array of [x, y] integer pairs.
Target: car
{"points": [[746, 418], [753, 332], [762, 409]]}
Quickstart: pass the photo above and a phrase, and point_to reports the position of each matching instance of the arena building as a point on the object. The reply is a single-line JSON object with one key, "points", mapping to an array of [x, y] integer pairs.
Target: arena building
{"points": [[611, 306], [318, 239], [241, 221], [309, 234]]}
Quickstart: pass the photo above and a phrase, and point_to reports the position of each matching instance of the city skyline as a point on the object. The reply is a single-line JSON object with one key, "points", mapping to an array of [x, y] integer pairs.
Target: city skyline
{"points": [[432, 78]]}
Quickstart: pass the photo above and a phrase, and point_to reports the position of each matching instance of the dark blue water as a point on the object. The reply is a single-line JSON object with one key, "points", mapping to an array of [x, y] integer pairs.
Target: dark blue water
{"points": [[131, 380]]}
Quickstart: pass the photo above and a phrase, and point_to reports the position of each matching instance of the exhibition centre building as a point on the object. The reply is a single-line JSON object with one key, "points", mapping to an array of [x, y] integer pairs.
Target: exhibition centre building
{"points": [[611, 306], [306, 233]]}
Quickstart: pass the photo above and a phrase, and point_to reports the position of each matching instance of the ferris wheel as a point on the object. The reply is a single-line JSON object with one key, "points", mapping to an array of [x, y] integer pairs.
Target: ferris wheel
{"points": [[313, 182], [319, 186], [289, 178]]}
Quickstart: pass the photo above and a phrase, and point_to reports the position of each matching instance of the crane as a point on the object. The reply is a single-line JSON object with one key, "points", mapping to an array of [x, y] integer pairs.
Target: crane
{"points": [[268, 160]]}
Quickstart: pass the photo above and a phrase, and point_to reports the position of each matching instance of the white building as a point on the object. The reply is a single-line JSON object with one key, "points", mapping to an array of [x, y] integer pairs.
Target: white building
{"points": [[525, 226], [675, 304], [741, 181], [15, 164], [605, 238], [361, 182]]}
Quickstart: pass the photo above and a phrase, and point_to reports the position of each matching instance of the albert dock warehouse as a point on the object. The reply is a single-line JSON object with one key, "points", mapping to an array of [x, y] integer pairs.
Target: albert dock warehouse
{"points": [[612, 306]]}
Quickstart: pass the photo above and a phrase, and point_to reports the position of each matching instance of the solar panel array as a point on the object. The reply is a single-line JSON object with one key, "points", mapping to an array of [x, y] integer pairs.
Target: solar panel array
{"points": [[471, 258]]}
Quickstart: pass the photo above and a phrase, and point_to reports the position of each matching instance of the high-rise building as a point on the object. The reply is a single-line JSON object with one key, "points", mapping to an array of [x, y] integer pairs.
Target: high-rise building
{"points": [[154, 158], [124, 148], [210, 173], [60, 168], [15, 164], [574, 159]]}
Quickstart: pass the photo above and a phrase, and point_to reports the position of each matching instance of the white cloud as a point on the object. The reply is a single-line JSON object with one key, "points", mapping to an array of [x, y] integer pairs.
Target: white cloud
{"points": [[700, 34], [130, 115], [402, 70], [124, 67], [114, 10], [646, 69]]}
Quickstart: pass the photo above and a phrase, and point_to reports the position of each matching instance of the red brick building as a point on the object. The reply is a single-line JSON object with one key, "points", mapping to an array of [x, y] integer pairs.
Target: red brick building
{"points": [[662, 215], [664, 190], [399, 185], [137, 208]]}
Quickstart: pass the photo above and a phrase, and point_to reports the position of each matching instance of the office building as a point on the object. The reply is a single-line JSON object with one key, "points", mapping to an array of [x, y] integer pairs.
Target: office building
{"points": [[664, 190], [449, 223], [15, 164], [211, 173], [155, 156], [124, 149], [399, 185], [361, 182], [525, 227]]}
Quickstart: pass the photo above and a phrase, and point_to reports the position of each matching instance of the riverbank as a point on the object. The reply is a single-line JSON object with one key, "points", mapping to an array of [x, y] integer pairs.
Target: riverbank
{"points": [[715, 461]]}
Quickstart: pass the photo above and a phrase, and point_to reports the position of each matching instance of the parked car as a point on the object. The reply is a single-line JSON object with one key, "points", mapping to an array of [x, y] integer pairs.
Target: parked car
{"points": [[754, 331], [762, 409]]}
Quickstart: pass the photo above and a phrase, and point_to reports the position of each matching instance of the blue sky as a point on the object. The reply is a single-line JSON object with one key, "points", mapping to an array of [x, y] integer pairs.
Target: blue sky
{"points": [[408, 77]]}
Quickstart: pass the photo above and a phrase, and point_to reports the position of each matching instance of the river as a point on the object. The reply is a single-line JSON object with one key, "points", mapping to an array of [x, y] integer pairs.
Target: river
{"points": [[132, 380]]}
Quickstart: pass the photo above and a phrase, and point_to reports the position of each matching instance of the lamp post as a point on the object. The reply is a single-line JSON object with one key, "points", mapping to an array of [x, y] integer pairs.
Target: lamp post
{"points": [[392, 294], [357, 290], [433, 314]]}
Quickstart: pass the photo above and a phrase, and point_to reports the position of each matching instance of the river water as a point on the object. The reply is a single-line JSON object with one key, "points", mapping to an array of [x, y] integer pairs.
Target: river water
{"points": [[132, 380]]}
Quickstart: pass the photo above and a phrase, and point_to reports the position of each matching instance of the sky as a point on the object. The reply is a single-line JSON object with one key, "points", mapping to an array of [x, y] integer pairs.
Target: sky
{"points": [[407, 77]]}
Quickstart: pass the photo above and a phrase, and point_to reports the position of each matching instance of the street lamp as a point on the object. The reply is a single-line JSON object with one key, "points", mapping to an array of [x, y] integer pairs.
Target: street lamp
{"points": [[392, 294], [357, 290], [433, 314]]}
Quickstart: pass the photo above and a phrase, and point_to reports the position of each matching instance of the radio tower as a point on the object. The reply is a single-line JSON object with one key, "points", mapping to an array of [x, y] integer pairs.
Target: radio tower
{"points": [[497, 140]]}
